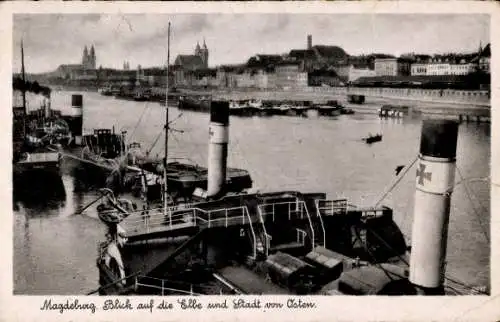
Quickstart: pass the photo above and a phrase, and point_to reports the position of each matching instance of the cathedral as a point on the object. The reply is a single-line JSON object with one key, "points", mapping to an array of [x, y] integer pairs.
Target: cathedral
{"points": [[202, 53], [89, 59], [194, 62]]}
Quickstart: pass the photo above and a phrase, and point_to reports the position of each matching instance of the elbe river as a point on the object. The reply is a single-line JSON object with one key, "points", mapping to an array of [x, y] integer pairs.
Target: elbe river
{"points": [[55, 250]]}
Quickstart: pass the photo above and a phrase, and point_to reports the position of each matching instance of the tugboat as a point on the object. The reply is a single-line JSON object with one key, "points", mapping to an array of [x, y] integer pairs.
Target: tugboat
{"points": [[258, 231], [302, 243], [284, 242]]}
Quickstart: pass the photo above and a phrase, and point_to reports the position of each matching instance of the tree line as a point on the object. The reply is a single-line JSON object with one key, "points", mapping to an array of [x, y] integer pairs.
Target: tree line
{"points": [[34, 87]]}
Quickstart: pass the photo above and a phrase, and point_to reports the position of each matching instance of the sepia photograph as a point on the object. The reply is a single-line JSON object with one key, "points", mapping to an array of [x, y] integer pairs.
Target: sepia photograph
{"points": [[192, 154]]}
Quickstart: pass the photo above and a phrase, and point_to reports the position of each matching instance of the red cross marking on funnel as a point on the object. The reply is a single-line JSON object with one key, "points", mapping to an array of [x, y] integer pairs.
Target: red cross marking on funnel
{"points": [[421, 174], [210, 132]]}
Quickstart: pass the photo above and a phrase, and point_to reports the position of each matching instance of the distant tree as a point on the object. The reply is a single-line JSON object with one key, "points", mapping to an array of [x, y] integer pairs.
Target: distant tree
{"points": [[35, 87]]}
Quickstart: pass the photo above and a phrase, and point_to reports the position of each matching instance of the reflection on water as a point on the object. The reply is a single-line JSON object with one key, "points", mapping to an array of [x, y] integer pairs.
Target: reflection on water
{"points": [[55, 250]]}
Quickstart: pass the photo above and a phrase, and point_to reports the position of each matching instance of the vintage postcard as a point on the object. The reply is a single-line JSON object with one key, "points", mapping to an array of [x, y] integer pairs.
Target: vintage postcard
{"points": [[233, 161]]}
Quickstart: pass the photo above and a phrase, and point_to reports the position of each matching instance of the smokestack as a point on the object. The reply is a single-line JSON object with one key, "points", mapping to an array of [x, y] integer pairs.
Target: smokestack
{"points": [[217, 148], [309, 42], [75, 119], [434, 184]]}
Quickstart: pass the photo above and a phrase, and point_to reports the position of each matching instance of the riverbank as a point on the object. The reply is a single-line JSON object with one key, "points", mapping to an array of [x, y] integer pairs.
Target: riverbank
{"points": [[455, 103]]}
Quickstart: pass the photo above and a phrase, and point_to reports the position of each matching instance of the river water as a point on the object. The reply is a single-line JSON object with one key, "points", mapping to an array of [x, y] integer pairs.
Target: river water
{"points": [[55, 250]]}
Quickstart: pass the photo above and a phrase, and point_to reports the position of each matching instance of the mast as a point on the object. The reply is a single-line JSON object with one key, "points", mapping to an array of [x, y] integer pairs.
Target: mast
{"points": [[23, 89], [165, 190]]}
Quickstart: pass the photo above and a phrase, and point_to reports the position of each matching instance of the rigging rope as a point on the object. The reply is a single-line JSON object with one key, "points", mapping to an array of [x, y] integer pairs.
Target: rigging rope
{"points": [[155, 141], [238, 151], [469, 193], [139, 121], [396, 181]]}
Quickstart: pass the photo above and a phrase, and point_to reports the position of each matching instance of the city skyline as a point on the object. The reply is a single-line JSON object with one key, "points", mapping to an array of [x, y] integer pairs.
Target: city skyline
{"points": [[142, 38]]}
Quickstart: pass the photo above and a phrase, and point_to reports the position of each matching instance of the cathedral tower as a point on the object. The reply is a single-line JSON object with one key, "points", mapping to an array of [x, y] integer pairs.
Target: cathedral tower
{"points": [[89, 59], [204, 54], [197, 50], [85, 57], [92, 58]]}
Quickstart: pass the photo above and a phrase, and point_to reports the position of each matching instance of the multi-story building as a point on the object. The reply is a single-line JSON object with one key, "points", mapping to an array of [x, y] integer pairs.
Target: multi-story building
{"points": [[265, 79], [438, 68], [356, 73], [392, 67], [484, 59], [323, 77], [245, 79], [462, 69], [226, 76], [287, 75], [342, 71], [419, 69], [301, 80]]}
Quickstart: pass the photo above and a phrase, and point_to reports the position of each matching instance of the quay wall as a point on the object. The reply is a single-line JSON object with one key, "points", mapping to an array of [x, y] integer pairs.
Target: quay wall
{"points": [[430, 95], [462, 99]]}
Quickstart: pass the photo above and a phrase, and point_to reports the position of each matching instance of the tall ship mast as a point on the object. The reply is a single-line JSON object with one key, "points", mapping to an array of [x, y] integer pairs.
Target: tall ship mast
{"points": [[23, 89], [165, 161]]}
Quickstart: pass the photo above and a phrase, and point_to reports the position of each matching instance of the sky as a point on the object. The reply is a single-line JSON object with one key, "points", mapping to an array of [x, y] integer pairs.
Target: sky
{"points": [[54, 39]]}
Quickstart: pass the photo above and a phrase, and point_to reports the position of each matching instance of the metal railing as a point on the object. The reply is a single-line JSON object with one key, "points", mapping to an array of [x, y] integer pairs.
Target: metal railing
{"points": [[331, 207], [267, 237], [310, 224], [342, 207], [292, 208], [159, 284], [253, 233], [177, 217], [322, 224], [268, 243], [301, 236]]}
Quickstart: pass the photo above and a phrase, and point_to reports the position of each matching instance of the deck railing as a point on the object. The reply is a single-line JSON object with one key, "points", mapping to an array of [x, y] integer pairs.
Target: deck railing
{"points": [[146, 221], [292, 209], [301, 236], [304, 208], [159, 284], [254, 237], [331, 207], [321, 223]]}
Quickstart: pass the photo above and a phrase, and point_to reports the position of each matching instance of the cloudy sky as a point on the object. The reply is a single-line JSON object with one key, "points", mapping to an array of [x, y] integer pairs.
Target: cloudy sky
{"points": [[54, 39]]}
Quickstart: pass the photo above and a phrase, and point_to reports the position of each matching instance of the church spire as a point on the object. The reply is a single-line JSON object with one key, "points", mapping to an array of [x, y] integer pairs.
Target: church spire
{"points": [[197, 50], [85, 57], [204, 43]]}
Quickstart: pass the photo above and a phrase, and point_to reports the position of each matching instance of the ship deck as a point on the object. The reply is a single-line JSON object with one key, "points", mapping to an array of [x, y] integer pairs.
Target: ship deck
{"points": [[250, 282]]}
